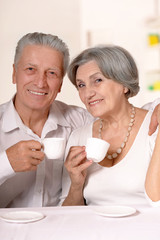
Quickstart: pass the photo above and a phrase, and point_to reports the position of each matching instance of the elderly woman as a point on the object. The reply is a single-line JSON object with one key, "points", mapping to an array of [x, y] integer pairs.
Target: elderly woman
{"points": [[106, 77]]}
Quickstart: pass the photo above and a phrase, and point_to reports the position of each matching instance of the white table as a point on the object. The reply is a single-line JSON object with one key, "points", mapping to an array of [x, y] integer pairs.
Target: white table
{"points": [[82, 223]]}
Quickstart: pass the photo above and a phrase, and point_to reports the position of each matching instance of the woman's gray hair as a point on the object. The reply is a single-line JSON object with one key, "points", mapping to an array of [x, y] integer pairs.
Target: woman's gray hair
{"points": [[115, 63], [49, 40]]}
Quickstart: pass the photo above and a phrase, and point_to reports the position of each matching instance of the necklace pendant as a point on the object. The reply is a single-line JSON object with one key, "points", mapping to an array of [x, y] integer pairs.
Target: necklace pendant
{"points": [[123, 145], [109, 157], [119, 150], [114, 155]]}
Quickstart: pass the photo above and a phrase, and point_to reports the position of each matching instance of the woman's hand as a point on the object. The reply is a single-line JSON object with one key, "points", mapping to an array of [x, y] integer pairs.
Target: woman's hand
{"points": [[158, 114], [155, 120], [76, 165]]}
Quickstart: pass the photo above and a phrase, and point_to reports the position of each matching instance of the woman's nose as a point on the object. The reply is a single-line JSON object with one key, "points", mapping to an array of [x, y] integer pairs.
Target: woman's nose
{"points": [[90, 92]]}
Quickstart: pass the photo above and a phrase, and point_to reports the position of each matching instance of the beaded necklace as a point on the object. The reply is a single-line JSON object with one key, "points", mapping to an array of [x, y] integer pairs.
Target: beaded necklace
{"points": [[120, 149]]}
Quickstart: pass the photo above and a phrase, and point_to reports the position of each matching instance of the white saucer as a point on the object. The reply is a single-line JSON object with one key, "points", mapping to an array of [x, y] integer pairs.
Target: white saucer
{"points": [[114, 211], [22, 216]]}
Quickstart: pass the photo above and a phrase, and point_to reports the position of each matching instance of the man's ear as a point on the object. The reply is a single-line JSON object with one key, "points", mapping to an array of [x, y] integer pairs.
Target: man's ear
{"points": [[14, 75], [60, 87]]}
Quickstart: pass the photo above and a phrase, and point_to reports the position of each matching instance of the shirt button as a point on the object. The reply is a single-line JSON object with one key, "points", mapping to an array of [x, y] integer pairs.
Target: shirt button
{"points": [[40, 191]]}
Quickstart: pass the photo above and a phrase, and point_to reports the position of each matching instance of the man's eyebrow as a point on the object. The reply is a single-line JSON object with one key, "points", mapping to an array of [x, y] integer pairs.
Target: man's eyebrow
{"points": [[53, 68], [35, 65], [30, 64]]}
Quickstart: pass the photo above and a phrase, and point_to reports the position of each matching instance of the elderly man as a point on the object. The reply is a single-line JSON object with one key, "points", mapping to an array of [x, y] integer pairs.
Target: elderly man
{"points": [[27, 177], [27, 180]]}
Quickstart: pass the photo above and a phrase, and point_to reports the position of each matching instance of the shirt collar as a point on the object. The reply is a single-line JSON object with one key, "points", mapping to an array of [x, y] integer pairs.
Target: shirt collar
{"points": [[11, 118], [56, 116]]}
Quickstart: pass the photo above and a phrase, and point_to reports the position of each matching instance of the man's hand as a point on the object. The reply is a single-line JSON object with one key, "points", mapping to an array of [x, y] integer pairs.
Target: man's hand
{"points": [[155, 120], [25, 155]]}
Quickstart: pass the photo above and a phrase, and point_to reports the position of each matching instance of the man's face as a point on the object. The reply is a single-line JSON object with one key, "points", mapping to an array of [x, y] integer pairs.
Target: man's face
{"points": [[38, 77]]}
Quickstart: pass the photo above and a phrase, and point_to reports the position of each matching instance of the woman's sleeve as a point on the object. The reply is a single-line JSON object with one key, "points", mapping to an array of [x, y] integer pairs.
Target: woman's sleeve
{"points": [[151, 105]]}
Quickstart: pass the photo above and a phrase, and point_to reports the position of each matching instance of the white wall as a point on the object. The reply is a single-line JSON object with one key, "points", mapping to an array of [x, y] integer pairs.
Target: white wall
{"points": [[119, 21], [124, 22], [19, 17]]}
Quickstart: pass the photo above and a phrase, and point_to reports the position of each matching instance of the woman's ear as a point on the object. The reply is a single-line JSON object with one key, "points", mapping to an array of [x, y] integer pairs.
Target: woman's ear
{"points": [[125, 89]]}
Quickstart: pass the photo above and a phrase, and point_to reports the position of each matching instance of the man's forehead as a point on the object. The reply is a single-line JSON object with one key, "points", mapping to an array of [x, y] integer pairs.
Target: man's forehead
{"points": [[42, 53], [39, 48], [40, 56]]}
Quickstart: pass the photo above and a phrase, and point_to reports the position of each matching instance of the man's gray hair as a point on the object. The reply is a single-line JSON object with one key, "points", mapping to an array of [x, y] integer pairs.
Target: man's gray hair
{"points": [[49, 40], [115, 63]]}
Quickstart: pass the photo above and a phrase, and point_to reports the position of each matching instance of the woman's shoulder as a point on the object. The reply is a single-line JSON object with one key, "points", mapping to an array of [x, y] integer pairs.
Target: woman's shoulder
{"points": [[141, 112], [142, 116]]}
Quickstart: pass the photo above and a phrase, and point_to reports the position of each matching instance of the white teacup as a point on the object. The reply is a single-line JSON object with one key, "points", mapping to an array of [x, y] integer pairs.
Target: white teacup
{"points": [[53, 147], [96, 149]]}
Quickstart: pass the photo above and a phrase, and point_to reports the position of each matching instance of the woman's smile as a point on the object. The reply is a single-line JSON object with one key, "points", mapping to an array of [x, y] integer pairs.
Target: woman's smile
{"points": [[95, 102]]}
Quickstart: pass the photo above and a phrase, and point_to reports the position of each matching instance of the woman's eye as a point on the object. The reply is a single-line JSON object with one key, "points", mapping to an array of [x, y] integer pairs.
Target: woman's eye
{"points": [[80, 85], [99, 80]]}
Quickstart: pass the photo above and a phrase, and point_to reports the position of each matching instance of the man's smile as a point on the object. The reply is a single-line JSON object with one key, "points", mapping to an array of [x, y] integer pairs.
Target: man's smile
{"points": [[37, 93]]}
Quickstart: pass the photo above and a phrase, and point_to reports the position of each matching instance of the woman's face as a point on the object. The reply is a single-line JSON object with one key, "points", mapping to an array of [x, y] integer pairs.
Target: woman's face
{"points": [[101, 96]]}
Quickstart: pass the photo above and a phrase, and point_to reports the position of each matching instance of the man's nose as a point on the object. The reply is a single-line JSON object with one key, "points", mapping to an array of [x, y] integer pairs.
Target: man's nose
{"points": [[41, 80]]}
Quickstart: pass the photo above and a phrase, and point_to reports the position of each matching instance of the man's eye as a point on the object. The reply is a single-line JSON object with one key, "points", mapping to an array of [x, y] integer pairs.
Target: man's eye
{"points": [[52, 73], [30, 70]]}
